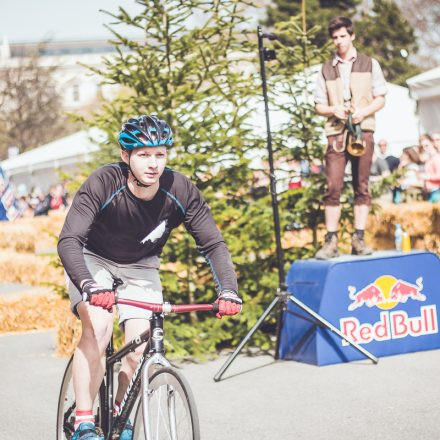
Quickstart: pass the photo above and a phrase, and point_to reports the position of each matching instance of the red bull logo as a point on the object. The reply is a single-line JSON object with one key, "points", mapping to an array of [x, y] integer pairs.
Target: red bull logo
{"points": [[386, 292]]}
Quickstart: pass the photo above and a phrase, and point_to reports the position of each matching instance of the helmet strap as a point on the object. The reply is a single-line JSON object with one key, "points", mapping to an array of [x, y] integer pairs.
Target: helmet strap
{"points": [[136, 180]]}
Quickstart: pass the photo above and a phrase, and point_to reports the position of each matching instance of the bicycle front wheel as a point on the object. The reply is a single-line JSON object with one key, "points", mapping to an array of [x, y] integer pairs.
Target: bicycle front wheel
{"points": [[66, 406], [172, 412]]}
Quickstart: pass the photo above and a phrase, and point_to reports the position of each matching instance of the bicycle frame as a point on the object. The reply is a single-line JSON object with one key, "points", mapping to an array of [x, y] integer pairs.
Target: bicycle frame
{"points": [[152, 355]]}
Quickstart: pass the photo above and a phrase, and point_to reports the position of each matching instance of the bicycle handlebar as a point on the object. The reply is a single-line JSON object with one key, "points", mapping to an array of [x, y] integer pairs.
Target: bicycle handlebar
{"points": [[169, 308]]}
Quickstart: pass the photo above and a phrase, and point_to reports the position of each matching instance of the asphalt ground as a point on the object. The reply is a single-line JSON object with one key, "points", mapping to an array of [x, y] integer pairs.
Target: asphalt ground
{"points": [[257, 398]]}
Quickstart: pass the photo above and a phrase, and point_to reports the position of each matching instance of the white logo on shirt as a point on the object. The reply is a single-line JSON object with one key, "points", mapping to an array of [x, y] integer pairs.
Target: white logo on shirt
{"points": [[156, 233]]}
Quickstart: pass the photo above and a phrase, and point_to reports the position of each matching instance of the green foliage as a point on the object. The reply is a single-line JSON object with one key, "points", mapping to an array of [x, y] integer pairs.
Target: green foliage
{"points": [[381, 30], [300, 138], [385, 34], [203, 81]]}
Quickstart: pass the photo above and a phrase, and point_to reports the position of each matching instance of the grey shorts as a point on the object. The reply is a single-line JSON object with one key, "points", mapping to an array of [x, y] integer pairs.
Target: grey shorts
{"points": [[141, 282]]}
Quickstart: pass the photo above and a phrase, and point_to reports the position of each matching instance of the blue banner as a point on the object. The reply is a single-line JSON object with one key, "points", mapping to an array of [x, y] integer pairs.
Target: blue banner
{"points": [[388, 303], [8, 206]]}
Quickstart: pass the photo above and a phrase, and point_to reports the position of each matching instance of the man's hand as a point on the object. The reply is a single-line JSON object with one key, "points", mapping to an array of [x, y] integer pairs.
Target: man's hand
{"points": [[229, 303], [98, 295], [358, 116], [341, 111]]}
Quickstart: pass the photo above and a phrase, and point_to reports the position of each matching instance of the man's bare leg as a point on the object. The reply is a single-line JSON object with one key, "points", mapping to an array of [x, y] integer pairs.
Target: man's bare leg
{"points": [[132, 328], [361, 216], [89, 358], [332, 216]]}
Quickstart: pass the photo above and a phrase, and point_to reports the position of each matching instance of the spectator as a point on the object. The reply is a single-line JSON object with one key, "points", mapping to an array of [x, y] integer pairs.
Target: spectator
{"points": [[40, 202], [436, 140], [57, 197], [392, 161], [425, 147], [379, 166], [431, 175], [410, 184]]}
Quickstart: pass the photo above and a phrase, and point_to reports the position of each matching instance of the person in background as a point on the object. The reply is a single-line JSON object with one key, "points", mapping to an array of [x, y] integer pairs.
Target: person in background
{"points": [[431, 174], [349, 83], [380, 165], [411, 184], [57, 197], [436, 140], [392, 161], [425, 147], [40, 202]]}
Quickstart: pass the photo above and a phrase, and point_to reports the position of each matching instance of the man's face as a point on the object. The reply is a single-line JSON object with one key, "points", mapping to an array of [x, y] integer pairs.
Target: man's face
{"points": [[147, 163], [436, 140], [342, 40], [383, 147]]}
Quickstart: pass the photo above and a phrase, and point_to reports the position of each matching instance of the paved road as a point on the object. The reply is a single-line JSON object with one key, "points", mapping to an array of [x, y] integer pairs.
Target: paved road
{"points": [[259, 399]]}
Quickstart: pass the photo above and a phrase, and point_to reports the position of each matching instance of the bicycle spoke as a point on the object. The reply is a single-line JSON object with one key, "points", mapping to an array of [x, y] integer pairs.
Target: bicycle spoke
{"points": [[171, 412]]}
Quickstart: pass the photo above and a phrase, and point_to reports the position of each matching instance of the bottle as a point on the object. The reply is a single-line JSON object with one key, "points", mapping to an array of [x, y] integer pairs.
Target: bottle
{"points": [[406, 242], [398, 237]]}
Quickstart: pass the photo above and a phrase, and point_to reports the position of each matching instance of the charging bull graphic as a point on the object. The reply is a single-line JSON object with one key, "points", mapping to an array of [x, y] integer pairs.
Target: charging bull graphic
{"points": [[385, 293]]}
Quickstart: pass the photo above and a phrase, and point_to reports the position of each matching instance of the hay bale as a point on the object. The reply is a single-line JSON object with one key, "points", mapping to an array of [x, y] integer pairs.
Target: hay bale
{"points": [[68, 334], [420, 219], [32, 234], [31, 312], [28, 269]]}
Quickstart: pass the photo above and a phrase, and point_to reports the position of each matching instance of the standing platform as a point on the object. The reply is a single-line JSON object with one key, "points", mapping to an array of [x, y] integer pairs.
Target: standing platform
{"points": [[387, 302]]}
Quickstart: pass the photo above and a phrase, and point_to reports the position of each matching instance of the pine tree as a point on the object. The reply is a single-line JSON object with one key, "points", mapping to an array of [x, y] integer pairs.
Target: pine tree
{"points": [[203, 81], [300, 138], [319, 13], [385, 34], [381, 31]]}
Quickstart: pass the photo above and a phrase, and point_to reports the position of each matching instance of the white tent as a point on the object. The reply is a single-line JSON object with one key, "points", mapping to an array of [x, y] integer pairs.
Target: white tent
{"points": [[397, 122], [425, 89], [40, 166]]}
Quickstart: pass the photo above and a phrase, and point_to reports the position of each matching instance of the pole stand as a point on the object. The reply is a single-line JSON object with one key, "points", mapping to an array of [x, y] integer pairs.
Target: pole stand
{"points": [[282, 295]]}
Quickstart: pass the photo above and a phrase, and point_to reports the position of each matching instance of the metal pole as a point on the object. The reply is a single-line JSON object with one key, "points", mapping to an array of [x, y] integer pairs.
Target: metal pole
{"points": [[273, 189], [333, 328], [256, 326]]}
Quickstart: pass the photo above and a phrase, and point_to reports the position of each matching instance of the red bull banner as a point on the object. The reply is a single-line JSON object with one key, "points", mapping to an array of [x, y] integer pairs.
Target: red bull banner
{"points": [[387, 302]]}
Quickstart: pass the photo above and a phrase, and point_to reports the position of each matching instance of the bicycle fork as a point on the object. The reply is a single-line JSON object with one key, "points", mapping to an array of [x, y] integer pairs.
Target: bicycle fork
{"points": [[157, 358]]}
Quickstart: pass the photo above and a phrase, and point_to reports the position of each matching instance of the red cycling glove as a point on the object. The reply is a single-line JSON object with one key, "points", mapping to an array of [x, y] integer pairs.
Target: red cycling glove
{"points": [[229, 303], [98, 296]]}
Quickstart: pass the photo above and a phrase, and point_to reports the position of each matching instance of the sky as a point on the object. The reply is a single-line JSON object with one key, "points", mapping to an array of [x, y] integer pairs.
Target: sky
{"points": [[37, 20]]}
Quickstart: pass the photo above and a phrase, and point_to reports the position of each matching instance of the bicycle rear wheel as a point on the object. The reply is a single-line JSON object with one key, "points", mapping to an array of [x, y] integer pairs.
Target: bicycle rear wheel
{"points": [[172, 412], [66, 406]]}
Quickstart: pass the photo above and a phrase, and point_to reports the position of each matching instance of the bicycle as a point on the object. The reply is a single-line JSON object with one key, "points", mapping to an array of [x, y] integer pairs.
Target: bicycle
{"points": [[165, 410]]}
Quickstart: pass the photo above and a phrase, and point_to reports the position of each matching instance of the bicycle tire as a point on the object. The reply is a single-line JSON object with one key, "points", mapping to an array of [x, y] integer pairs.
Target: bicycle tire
{"points": [[66, 406], [167, 389]]}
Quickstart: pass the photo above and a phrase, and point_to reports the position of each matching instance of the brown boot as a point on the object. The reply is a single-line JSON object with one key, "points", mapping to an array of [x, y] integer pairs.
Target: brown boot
{"points": [[330, 248], [358, 246]]}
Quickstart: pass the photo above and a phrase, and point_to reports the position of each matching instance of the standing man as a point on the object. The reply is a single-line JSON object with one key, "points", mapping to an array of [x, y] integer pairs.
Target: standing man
{"points": [[115, 230], [349, 83]]}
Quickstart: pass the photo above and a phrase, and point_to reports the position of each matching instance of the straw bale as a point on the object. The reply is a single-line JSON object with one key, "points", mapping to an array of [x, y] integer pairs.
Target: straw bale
{"points": [[68, 334], [420, 219], [28, 269], [31, 312], [32, 234]]}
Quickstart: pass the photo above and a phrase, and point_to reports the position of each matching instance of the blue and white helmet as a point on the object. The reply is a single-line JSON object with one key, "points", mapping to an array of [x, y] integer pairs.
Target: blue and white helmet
{"points": [[145, 131]]}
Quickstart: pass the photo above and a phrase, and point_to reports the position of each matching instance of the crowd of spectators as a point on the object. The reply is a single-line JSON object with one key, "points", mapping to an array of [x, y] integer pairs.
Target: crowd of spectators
{"points": [[419, 165], [35, 202]]}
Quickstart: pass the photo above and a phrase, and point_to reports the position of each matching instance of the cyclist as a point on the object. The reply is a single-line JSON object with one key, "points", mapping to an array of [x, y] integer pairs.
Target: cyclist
{"points": [[116, 228]]}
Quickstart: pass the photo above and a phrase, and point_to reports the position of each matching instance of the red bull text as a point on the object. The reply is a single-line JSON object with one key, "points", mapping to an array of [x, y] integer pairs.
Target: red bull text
{"points": [[386, 292], [391, 325]]}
